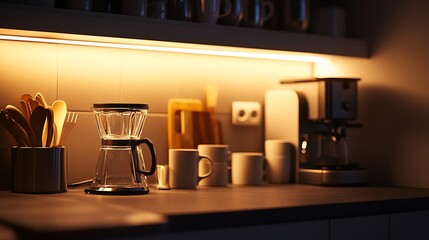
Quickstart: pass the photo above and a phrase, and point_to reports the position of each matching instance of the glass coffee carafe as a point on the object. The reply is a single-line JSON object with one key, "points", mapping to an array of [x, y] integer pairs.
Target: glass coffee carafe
{"points": [[121, 168], [324, 151]]}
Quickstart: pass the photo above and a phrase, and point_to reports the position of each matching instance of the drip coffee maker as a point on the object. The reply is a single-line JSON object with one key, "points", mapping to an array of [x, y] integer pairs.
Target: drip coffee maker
{"points": [[315, 115], [121, 168]]}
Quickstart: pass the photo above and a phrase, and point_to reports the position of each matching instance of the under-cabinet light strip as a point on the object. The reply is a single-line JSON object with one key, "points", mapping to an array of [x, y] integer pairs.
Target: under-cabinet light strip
{"points": [[270, 56]]}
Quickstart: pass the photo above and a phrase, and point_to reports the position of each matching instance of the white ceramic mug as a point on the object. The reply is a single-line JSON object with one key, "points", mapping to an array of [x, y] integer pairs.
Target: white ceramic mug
{"points": [[219, 154], [278, 154], [183, 168], [247, 168], [277, 147], [219, 177], [209, 11]]}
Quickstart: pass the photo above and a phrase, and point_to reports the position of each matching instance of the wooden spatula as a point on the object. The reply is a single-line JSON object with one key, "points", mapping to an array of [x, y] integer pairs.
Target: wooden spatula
{"points": [[21, 120], [37, 122], [60, 113]]}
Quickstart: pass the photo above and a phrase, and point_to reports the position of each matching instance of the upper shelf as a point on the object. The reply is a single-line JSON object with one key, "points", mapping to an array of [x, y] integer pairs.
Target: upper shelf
{"points": [[22, 17]]}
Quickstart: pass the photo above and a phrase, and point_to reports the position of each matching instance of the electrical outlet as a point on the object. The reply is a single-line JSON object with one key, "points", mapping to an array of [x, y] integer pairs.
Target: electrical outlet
{"points": [[246, 113]]}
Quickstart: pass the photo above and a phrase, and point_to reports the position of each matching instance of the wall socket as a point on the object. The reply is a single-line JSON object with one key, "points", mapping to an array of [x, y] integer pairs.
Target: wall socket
{"points": [[246, 113]]}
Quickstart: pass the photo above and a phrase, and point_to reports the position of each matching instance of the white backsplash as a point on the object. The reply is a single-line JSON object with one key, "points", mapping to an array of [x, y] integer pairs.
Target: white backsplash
{"points": [[85, 75], [393, 99]]}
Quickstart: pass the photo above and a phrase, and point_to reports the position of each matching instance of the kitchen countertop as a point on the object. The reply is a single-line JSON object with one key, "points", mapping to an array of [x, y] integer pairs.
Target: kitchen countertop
{"points": [[74, 213]]}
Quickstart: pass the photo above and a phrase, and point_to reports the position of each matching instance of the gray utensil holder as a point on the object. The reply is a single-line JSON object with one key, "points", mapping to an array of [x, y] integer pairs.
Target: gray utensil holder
{"points": [[38, 170]]}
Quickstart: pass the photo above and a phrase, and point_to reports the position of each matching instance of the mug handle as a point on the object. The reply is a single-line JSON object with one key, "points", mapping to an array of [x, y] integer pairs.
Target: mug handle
{"points": [[149, 143], [211, 167], [228, 6], [270, 7]]}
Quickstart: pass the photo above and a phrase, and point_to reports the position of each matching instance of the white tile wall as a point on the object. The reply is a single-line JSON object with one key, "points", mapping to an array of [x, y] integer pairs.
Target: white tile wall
{"points": [[27, 68], [88, 75], [149, 79], [85, 75]]}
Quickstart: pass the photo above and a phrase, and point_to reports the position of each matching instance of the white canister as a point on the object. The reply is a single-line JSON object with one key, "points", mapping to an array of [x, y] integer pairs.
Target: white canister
{"points": [[247, 168], [278, 154]]}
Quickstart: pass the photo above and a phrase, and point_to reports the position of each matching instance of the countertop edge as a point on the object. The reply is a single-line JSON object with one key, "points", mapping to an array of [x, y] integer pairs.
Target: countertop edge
{"points": [[231, 219], [198, 209], [98, 233]]}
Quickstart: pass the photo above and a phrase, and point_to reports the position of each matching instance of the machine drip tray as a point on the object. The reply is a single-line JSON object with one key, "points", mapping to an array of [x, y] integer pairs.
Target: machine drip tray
{"points": [[338, 167], [333, 176]]}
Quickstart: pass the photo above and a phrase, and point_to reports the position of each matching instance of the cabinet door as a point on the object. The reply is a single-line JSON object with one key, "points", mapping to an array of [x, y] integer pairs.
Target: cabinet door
{"points": [[409, 226], [368, 228], [314, 230]]}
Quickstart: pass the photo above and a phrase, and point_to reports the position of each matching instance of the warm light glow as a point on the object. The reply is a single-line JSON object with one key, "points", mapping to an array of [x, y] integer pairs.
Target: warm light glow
{"points": [[174, 48], [324, 69]]}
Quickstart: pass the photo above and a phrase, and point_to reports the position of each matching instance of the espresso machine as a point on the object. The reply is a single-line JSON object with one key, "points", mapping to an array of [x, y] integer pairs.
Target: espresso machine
{"points": [[315, 115]]}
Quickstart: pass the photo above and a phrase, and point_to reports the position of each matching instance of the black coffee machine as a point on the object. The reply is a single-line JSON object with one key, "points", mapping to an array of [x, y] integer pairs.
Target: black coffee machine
{"points": [[315, 117]]}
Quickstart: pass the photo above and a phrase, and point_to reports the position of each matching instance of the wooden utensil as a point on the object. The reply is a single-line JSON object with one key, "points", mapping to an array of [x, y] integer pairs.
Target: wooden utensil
{"points": [[213, 125], [37, 122], [69, 124], [60, 111], [25, 109], [14, 129], [33, 104], [25, 105], [41, 99], [30, 102], [48, 130], [20, 119]]}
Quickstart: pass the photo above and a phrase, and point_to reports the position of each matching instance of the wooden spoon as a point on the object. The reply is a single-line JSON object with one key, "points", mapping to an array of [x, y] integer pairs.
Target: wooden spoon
{"points": [[25, 109], [37, 122], [25, 104], [41, 99], [20, 119], [33, 104], [60, 113], [48, 131], [14, 129]]}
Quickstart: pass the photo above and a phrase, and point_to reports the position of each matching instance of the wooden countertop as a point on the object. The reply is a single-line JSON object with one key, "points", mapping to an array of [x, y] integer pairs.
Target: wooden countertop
{"points": [[74, 212]]}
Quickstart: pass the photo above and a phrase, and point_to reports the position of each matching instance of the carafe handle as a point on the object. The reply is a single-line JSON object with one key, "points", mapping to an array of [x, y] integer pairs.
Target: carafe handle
{"points": [[149, 143]]}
